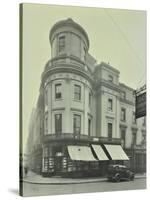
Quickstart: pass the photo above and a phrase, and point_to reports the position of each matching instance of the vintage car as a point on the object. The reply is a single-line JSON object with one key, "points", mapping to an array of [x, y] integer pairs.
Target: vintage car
{"points": [[119, 172]]}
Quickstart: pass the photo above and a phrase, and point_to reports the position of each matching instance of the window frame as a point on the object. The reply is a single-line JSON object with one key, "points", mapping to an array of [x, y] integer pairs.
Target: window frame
{"points": [[61, 44], [58, 125], [77, 94], [75, 127], [110, 135], [58, 93], [110, 104]]}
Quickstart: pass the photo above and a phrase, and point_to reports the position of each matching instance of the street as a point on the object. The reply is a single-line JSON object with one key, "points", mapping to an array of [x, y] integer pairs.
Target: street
{"points": [[103, 186]]}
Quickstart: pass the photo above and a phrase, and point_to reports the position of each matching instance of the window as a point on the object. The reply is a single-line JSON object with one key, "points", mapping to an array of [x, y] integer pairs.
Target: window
{"points": [[77, 124], [58, 91], [123, 114], [110, 78], [61, 44], [58, 123], [134, 119], [90, 98], [110, 104], [89, 127], [77, 92], [46, 124], [123, 132], [109, 130]]}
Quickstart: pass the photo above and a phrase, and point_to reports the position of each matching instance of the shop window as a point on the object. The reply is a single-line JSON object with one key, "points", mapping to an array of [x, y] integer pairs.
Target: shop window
{"points": [[58, 91], [77, 92], [109, 130], [58, 123], [61, 46], [123, 114], [110, 104], [76, 124]]}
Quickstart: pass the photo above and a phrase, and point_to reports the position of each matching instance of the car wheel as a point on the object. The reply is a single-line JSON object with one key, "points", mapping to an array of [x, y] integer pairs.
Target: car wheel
{"points": [[117, 177]]}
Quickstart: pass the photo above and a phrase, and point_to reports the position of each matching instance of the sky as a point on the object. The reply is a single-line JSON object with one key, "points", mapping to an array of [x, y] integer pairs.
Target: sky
{"points": [[116, 36]]}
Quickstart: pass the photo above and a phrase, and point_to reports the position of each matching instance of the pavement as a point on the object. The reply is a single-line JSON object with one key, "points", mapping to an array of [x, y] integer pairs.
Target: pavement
{"points": [[34, 178]]}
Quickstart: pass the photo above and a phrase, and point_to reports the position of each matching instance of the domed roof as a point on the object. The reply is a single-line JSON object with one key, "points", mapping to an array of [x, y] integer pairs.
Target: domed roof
{"points": [[69, 22]]}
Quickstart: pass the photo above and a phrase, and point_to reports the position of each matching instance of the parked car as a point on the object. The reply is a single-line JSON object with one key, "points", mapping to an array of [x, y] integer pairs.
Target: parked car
{"points": [[119, 172]]}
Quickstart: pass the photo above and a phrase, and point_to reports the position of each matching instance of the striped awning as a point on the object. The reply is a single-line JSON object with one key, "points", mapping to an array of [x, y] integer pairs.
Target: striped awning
{"points": [[116, 152], [99, 152], [80, 153]]}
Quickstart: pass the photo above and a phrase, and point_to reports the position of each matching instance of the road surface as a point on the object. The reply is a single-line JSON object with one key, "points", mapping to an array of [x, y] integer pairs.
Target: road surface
{"points": [[103, 186]]}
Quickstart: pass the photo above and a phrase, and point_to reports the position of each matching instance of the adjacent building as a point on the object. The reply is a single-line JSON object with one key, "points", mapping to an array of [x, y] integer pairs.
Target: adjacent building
{"points": [[84, 118]]}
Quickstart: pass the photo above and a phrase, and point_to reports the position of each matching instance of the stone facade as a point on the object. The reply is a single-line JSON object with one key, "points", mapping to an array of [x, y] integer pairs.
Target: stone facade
{"points": [[81, 103]]}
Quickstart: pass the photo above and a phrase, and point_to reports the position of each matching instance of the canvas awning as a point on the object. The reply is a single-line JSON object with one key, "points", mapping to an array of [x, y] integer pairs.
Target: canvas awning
{"points": [[99, 152], [82, 153], [116, 152]]}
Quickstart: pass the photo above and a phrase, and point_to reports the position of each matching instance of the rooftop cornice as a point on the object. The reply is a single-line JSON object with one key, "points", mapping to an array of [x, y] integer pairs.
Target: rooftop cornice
{"points": [[107, 66]]}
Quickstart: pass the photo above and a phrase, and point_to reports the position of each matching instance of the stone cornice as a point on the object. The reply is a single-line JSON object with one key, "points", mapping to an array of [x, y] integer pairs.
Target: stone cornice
{"points": [[108, 85], [122, 85], [68, 68], [127, 101], [107, 66]]}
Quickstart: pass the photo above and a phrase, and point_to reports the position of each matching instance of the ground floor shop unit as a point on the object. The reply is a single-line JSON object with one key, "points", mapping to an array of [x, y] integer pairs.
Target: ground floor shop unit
{"points": [[76, 158]]}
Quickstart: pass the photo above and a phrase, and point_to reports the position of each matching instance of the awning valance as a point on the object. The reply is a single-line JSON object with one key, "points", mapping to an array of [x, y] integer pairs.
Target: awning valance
{"points": [[116, 152], [80, 153], [100, 152]]}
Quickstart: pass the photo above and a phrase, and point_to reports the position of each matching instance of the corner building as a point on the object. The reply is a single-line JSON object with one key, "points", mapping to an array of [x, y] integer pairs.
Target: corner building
{"points": [[84, 118]]}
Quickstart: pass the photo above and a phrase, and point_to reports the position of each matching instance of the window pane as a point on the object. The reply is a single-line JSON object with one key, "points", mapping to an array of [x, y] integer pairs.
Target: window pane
{"points": [[77, 124], [109, 130], [61, 43], [110, 105], [58, 91], [77, 92]]}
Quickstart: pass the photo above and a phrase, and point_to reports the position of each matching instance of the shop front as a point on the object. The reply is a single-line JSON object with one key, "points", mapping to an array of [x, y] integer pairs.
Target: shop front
{"points": [[73, 160]]}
